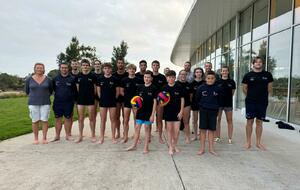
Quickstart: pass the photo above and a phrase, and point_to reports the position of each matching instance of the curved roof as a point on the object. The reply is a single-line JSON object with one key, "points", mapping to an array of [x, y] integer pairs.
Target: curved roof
{"points": [[204, 18]]}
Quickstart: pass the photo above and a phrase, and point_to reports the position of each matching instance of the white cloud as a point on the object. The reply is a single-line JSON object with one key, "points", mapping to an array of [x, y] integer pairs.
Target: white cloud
{"points": [[36, 31]]}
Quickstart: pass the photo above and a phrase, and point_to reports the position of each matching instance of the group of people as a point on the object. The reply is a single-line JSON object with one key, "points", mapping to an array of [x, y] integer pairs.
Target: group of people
{"points": [[202, 94]]}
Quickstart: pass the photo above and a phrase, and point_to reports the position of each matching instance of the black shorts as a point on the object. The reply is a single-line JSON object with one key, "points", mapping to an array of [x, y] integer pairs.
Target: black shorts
{"points": [[120, 99], [63, 109], [208, 119], [257, 111], [86, 101], [127, 104], [195, 106], [107, 104], [172, 116]]}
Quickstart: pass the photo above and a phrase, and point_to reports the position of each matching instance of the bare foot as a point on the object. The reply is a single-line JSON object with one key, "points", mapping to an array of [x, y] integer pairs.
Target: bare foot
{"points": [[176, 149], [161, 141], [36, 142], [118, 136], [201, 152], [125, 140], [187, 141], [261, 147], [55, 139], [45, 141], [114, 141], [78, 140], [69, 138], [131, 148], [213, 152], [93, 139], [101, 141], [194, 139], [171, 151], [247, 146], [146, 151], [139, 141]]}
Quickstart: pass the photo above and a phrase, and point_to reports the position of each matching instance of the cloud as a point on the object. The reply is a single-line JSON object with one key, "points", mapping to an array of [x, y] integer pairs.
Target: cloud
{"points": [[36, 31]]}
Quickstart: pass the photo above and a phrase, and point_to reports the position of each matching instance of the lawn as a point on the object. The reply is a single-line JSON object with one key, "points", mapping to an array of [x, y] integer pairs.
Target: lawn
{"points": [[14, 117]]}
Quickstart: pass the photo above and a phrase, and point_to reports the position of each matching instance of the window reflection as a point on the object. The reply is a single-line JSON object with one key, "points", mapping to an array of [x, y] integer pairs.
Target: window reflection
{"points": [[243, 69], [295, 82], [281, 14], [260, 19], [278, 65], [259, 48], [245, 26]]}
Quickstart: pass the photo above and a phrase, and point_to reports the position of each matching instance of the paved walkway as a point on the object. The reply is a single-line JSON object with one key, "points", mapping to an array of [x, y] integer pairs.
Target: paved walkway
{"points": [[67, 165]]}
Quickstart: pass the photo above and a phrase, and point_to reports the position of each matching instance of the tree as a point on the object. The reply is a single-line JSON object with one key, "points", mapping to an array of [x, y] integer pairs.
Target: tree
{"points": [[76, 51], [119, 52], [53, 73]]}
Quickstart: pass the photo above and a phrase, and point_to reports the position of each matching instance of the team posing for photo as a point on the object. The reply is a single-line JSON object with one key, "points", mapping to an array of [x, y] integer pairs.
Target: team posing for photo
{"points": [[150, 97]]}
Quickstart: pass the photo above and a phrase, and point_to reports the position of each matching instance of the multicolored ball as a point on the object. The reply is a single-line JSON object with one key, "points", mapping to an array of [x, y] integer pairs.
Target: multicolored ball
{"points": [[137, 102], [163, 98]]}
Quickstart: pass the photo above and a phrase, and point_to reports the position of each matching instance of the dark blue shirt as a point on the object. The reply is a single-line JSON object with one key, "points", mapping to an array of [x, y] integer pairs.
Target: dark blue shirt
{"points": [[64, 88], [208, 96]]}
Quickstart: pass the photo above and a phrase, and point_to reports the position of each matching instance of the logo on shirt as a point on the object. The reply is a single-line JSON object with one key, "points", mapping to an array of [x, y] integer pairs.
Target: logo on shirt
{"points": [[57, 83], [90, 79], [252, 79], [101, 83], [68, 84], [215, 93], [127, 85], [204, 93], [150, 93], [265, 78], [176, 93], [111, 83]]}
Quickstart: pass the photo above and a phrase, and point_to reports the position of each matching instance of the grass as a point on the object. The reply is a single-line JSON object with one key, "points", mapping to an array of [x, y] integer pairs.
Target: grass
{"points": [[14, 117]]}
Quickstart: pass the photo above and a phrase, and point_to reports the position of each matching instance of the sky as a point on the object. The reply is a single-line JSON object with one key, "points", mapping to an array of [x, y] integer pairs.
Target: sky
{"points": [[37, 31]]}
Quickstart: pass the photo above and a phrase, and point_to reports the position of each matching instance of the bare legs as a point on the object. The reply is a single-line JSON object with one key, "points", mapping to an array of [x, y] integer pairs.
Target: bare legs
{"points": [[159, 123], [210, 142], [258, 130], [58, 127], [112, 116], [195, 125], [119, 108], [186, 122], [173, 135], [35, 129], [228, 115], [137, 131], [81, 112]]}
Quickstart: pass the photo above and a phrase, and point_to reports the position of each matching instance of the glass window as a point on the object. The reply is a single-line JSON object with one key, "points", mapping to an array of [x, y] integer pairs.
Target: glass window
{"points": [[218, 63], [281, 14], [207, 51], [213, 46], [245, 26], [278, 65], [226, 34], [260, 19], [243, 69], [232, 34], [219, 42], [259, 48], [231, 62], [295, 82], [297, 11]]}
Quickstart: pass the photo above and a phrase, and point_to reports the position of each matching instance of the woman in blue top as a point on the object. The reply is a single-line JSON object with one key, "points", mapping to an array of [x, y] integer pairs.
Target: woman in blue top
{"points": [[39, 88]]}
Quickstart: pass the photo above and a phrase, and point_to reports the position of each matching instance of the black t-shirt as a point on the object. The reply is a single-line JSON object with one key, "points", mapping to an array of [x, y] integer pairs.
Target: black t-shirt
{"points": [[208, 96], [187, 90], [174, 105], [130, 86], [140, 76], [159, 81], [86, 92], [149, 95], [64, 88], [226, 87], [257, 83], [75, 79], [194, 86], [108, 87], [98, 75], [120, 77]]}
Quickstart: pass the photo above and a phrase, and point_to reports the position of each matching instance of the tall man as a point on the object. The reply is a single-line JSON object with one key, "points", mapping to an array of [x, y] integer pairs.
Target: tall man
{"points": [[119, 74], [257, 84], [143, 67], [189, 73]]}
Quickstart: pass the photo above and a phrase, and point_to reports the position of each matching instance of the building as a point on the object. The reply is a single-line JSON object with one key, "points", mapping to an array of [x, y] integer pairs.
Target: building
{"points": [[232, 32]]}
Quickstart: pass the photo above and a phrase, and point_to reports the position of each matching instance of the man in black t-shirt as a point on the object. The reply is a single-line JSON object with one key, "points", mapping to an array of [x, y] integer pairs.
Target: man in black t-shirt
{"points": [[257, 84], [86, 88], [107, 90], [120, 74], [145, 115], [128, 90], [143, 67], [159, 80]]}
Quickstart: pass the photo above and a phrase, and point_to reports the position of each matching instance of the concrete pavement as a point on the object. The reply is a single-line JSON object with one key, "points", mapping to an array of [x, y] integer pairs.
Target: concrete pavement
{"points": [[66, 165]]}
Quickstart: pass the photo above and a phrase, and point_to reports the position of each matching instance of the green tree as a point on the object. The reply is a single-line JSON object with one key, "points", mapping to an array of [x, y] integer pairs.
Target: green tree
{"points": [[10, 82], [76, 51], [53, 73], [119, 52]]}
